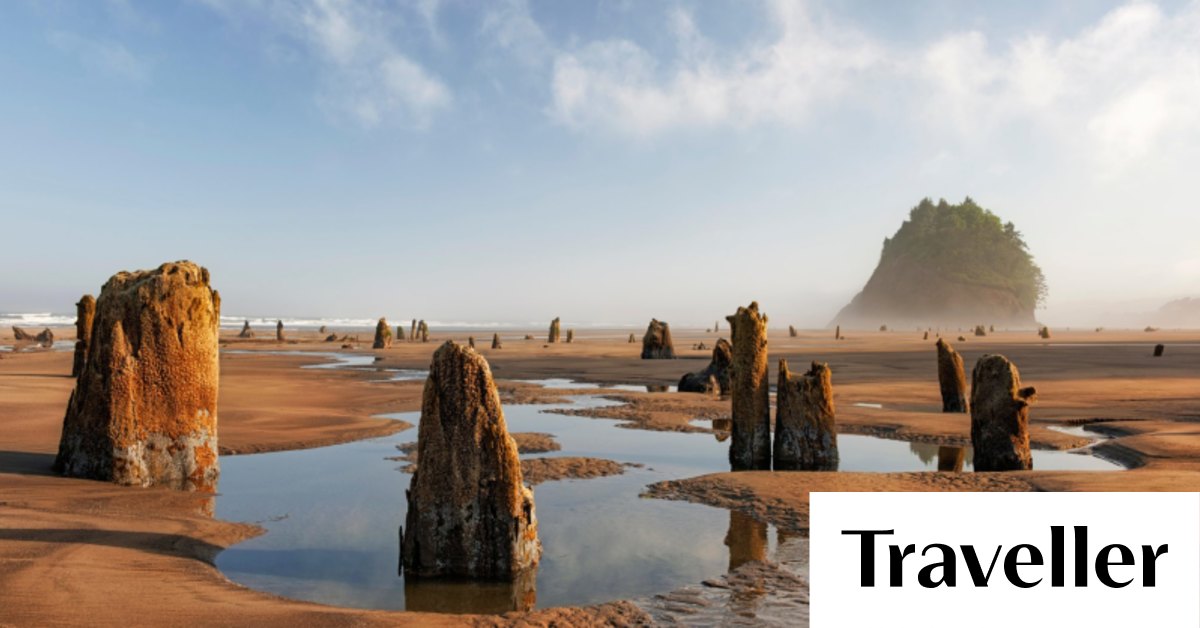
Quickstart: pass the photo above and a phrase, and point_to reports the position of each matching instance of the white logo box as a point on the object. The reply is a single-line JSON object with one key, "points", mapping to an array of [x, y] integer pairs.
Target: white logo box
{"points": [[1141, 522]]}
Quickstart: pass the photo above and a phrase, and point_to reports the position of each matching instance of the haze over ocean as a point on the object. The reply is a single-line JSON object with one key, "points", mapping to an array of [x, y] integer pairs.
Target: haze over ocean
{"points": [[600, 161]]}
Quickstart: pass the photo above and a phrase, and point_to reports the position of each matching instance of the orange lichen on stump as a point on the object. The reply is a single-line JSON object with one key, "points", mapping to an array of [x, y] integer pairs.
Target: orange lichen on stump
{"points": [[144, 409]]}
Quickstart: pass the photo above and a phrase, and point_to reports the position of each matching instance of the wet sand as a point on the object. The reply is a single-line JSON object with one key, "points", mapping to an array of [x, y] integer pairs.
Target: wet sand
{"points": [[70, 548]]}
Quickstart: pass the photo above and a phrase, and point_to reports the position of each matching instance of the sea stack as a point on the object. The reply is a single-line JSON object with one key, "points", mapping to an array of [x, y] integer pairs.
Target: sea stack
{"points": [[144, 410], [399, 332], [805, 427], [383, 335], [837, 333], [246, 331], [749, 388], [413, 336], [85, 312], [1000, 416], [279, 331], [423, 331], [951, 378], [1044, 332], [570, 335], [554, 331], [715, 377], [632, 339], [791, 331], [496, 341], [980, 331], [656, 344], [470, 514], [471, 341]]}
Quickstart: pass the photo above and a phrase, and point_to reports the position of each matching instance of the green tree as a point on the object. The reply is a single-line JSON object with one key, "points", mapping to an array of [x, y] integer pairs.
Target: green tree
{"points": [[968, 243]]}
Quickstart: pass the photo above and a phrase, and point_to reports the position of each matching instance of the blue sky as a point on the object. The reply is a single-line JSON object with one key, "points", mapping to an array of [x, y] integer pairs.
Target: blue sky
{"points": [[599, 161]]}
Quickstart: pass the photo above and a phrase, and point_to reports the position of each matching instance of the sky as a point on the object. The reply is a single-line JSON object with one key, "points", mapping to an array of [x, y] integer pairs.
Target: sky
{"points": [[601, 161]]}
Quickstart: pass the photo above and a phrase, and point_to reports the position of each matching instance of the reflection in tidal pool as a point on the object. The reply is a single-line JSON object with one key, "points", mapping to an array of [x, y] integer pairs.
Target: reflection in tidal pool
{"points": [[332, 516]]}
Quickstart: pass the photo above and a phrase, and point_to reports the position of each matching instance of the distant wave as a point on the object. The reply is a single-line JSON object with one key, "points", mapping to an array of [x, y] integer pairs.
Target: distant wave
{"points": [[36, 319]]}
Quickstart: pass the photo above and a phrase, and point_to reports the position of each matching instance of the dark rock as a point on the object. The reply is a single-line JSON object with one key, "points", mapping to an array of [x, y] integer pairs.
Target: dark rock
{"points": [[1158, 350]]}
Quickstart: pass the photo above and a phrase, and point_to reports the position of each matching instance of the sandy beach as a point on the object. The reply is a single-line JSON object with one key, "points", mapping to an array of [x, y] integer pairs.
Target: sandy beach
{"points": [[70, 547]]}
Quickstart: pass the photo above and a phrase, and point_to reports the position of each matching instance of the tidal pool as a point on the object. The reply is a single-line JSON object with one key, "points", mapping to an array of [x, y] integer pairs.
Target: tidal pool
{"points": [[332, 515]]}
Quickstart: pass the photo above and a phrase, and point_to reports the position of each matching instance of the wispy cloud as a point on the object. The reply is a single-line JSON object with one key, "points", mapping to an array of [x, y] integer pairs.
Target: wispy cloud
{"points": [[1116, 90], [618, 85], [101, 55], [365, 72]]}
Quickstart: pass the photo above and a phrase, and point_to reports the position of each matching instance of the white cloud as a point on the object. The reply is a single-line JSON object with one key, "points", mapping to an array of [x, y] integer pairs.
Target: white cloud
{"points": [[108, 57], [618, 85], [1115, 91], [510, 25], [366, 74]]}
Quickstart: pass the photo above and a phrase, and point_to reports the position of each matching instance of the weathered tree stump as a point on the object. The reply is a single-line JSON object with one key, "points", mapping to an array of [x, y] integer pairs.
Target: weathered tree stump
{"points": [[144, 409], [805, 427], [749, 390], [715, 377], [1000, 416], [469, 512], [85, 313], [383, 335], [951, 379], [657, 343]]}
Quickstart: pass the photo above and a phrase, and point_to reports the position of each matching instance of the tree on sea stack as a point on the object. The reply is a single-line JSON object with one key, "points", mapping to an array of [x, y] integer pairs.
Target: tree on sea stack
{"points": [[470, 514], [383, 335], [951, 380], [85, 313], [805, 427], [1000, 416], [656, 343], [749, 390], [949, 263], [144, 409]]}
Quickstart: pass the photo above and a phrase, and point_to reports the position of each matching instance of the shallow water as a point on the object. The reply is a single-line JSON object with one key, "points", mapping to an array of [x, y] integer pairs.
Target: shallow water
{"points": [[332, 514]]}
